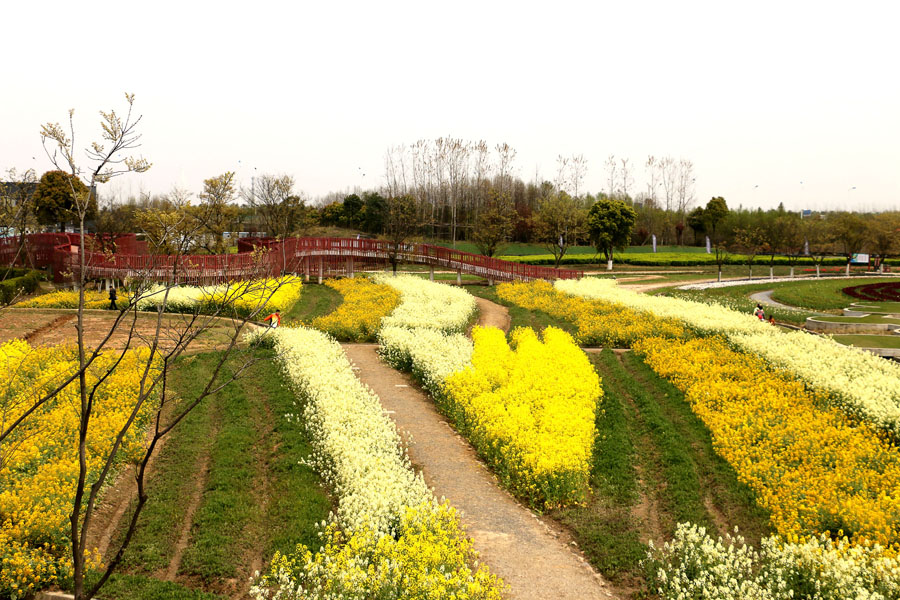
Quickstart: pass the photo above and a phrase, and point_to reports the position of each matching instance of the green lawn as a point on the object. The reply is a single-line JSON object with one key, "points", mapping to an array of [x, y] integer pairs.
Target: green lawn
{"points": [[257, 495], [315, 301], [654, 466], [820, 294], [869, 341], [879, 318], [876, 307]]}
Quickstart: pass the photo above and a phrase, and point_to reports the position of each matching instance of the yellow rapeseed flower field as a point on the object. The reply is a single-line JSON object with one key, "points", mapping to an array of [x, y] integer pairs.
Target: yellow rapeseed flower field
{"points": [[358, 318], [598, 323], [812, 466], [39, 460], [529, 409], [67, 299]]}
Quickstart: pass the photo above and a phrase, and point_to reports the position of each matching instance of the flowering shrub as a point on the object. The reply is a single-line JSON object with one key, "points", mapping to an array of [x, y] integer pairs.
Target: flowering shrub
{"points": [[67, 299], [599, 323], [429, 305], [389, 539], [39, 460], [693, 565], [426, 560], [861, 383], [812, 468], [242, 298], [430, 355], [529, 410], [365, 304]]}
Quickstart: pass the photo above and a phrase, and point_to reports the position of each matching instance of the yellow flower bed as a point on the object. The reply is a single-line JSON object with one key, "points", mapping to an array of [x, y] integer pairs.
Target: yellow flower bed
{"points": [[359, 316], [812, 467], [598, 323], [257, 295], [68, 299], [39, 461], [529, 410]]}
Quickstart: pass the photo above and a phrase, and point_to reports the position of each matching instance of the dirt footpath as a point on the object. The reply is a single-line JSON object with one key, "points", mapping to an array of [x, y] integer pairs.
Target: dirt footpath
{"points": [[491, 314], [509, 538]]}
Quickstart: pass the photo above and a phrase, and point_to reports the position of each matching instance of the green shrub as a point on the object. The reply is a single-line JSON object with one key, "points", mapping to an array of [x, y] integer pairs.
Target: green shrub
{"points": [[20, 281]]}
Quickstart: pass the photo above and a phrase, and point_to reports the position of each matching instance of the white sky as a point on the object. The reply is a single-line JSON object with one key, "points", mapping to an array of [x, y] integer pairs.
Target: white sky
{"points": [[764, 94]]}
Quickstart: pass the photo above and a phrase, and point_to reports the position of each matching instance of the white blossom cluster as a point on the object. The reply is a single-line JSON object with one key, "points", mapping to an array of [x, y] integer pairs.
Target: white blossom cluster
{"points": [[429, 354], [864, 384], [428, 305], [179, 299], [357, 448], [694, 565]]}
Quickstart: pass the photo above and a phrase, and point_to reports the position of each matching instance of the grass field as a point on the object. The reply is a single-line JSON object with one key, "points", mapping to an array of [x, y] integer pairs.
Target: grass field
{"points": [[315, 301], [228, 490], [654, 466], [869, 341]]}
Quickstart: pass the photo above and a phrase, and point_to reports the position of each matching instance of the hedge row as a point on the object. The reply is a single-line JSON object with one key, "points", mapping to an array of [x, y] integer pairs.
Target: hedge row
{"points": [[19, 281], [677, 259]]}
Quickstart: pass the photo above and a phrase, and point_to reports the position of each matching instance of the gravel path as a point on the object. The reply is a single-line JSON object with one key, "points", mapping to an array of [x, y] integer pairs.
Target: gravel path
{"points": [[765, 298], [517, 546]]}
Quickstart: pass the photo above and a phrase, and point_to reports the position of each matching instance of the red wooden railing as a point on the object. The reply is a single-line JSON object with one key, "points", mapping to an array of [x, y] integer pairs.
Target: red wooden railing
{"points": [[313, 257]]}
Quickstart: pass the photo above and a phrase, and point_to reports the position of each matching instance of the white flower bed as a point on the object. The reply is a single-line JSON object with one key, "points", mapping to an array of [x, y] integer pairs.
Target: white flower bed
{"points": [[357, 448], [429, 305], [866, 385], [431, 355], [694, 565]]}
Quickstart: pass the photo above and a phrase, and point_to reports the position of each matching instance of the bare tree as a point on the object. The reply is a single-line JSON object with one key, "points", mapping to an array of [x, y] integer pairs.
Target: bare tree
{"points": [[612, 175], [16, 214], [105, 160], [627, 177]]}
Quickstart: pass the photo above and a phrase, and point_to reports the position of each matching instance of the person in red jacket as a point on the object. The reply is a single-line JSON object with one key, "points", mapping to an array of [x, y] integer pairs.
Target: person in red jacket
{"points": [[275, 318]]}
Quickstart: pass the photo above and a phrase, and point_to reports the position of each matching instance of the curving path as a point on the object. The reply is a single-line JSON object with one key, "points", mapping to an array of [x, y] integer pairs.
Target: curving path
{"points": [[516, 545], [765, 298]]}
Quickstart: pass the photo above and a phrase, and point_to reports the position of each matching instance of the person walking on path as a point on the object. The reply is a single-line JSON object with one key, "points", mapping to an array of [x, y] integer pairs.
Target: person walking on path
{"points": [[112, 299], [275, 319]]}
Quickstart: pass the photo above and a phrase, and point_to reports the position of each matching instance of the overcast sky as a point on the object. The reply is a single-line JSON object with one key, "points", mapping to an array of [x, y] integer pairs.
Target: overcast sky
{"points": [[760, 96]]}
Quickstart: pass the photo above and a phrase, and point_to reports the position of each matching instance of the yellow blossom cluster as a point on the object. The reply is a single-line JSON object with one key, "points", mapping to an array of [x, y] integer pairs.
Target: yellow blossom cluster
{"points": [[427, 559], [39, 459], [810, 465], [598, 323], [529, 410], [67, 299], [358, 318]]}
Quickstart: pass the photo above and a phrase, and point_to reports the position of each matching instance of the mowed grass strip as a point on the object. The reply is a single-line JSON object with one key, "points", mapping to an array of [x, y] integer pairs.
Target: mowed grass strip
{"points": [[734, 500], [169, 486], [253, 434], [652, 451], [217, 544], [315, 301], [604, 528]]}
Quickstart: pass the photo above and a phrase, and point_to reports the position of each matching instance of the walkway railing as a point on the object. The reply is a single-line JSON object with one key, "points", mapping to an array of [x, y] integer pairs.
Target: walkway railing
{"points": [[313, 257]]}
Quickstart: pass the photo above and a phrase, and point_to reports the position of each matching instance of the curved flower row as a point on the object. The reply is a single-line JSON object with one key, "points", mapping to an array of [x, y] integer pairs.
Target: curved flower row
{"points": [[811, 468], [66, 299], [598, 323], [693, 565], [865, 385], [242, 298], [359, 315], [529, 410], [429, 305], [389, 538], [39, 460]]}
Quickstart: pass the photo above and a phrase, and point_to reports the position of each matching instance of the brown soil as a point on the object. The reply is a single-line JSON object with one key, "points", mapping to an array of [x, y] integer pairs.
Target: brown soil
{"points": [[533, 560], [33, 337], [49, 327], [491, 314]]}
